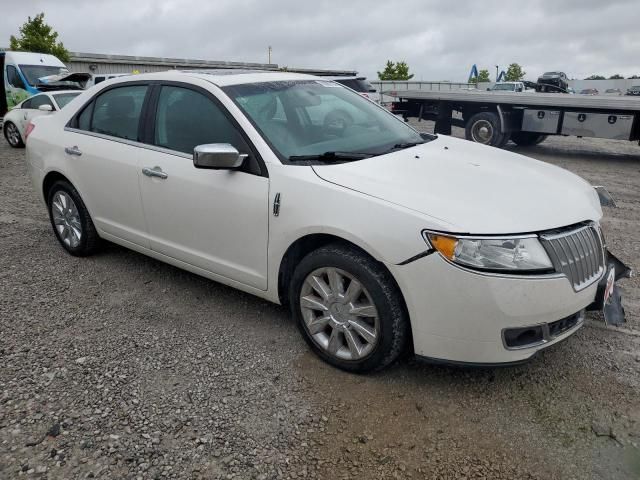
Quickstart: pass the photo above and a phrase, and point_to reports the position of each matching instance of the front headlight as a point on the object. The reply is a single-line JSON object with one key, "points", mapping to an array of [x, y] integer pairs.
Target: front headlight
{"points": [[506, 254]]}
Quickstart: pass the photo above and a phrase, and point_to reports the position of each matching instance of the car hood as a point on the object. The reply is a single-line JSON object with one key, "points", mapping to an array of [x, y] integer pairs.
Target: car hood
{"points": [[471, 187]]}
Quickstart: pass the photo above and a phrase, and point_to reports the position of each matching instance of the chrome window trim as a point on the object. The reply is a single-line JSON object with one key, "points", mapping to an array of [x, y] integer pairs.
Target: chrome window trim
{"points": [[132, 143]]}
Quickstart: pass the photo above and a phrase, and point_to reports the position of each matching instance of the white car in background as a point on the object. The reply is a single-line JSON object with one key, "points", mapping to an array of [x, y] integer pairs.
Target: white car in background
{"points": [[380, 239], [16, 120]]}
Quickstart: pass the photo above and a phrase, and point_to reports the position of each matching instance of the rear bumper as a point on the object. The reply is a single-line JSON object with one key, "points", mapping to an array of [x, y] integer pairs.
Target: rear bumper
{"points": [[460, 316]]}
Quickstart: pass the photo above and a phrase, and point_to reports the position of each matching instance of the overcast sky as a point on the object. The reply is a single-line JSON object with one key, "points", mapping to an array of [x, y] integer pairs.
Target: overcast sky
{"points": [[440, 40]]}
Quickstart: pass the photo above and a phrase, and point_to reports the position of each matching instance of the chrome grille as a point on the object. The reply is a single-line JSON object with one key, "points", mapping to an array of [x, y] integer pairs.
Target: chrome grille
{"points": [[577, 252]]}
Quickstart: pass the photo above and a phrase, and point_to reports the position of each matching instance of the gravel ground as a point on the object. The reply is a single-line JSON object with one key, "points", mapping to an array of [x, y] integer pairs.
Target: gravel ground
{"points": [[118, 366]]}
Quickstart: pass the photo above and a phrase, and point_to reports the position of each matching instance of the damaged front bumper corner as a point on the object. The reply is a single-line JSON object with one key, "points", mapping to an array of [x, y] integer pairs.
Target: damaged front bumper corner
{"points": [[608, 298]]}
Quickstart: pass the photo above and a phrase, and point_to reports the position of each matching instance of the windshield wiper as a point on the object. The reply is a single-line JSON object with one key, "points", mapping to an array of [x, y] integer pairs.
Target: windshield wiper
{"points": [[330, 156], [401, 146]]}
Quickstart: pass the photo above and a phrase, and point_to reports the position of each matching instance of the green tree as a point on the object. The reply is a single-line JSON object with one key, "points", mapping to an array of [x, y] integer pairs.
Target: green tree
{"points": [[37, 36], [617, 76], [483, 76], [634, 77], [395, 71], [515, 73], [595, 77]]}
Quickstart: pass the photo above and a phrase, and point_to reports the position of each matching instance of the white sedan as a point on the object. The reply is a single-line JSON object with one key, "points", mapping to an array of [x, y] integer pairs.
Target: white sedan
{"points": [[379, 239], [15, 121]]}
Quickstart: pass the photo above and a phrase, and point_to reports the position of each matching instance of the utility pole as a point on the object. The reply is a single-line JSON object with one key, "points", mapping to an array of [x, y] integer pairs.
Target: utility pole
{"points": [[269, 53], [497, 73]]}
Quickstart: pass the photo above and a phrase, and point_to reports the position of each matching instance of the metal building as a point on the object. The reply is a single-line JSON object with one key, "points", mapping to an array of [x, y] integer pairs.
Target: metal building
{"points": [[100, 63]]}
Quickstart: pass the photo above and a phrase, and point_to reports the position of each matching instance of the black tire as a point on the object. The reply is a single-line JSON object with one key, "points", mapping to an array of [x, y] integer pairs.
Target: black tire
{"points": [[89, 241], [491, 123], [527, 139], [15, 143], [393, 327]]}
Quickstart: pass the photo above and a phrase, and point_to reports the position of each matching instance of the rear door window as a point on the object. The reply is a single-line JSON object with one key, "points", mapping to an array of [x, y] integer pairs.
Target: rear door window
{"points": [[116, 112]]}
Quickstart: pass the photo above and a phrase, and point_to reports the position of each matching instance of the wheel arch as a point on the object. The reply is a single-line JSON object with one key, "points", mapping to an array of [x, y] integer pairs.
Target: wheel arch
{"points": [[49, 180], [307, 244]]}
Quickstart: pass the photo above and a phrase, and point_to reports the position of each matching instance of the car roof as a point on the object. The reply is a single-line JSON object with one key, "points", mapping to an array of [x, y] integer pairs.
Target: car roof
{"points": [[221, 77], [31, 58]]}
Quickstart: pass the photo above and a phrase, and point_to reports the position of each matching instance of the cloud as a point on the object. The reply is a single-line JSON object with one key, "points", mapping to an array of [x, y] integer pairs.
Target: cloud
{"points": [[439, 40]]}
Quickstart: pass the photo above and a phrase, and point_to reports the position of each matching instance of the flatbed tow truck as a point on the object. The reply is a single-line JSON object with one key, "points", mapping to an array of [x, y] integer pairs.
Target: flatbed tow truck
{"points": [[527, 118]]}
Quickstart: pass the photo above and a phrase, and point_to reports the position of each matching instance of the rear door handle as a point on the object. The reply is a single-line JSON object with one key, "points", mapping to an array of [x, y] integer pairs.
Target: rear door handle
{"points": [[73, 151], [154, 172]]}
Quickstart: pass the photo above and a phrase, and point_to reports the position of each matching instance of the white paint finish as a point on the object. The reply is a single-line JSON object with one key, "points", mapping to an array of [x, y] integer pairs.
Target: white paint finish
{"points": [[106, 175], [215, 219], [219, 224], [467, 311], [477, 189]]}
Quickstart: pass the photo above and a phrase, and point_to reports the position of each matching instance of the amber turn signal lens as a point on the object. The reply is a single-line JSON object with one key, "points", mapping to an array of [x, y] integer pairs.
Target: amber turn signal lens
{"points": [[445, 245]]}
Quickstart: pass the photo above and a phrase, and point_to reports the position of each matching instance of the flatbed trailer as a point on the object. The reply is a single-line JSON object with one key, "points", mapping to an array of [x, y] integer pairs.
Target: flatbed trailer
{"points": [[494, 118]]}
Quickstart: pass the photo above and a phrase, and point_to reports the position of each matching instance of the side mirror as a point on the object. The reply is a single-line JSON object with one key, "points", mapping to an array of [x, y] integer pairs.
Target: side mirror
{"points": [[217, 156], [45, 108]]}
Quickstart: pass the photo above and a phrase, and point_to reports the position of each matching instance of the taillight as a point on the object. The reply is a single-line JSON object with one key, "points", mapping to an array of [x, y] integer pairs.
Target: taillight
{"points": [[30, 127]]}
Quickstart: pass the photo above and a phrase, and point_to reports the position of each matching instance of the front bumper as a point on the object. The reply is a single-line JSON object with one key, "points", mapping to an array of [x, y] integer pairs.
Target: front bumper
{"points": [[460, 316]]}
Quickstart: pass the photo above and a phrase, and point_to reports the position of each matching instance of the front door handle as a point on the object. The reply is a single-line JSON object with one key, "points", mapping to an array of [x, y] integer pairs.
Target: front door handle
{"points": [[154, 172], [73, 151]]}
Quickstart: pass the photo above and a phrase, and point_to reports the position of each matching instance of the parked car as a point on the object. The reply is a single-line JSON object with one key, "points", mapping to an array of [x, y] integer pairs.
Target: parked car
{"points": [[553, 82], [507, 87], [378, 238], [589, 91], [359, 84], [97, 78], [634, 91], [612, 91], [16, 121]]}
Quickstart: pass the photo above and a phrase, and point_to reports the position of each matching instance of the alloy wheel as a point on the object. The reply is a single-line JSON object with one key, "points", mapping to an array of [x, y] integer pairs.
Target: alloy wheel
{"points": [[66, 219], [13, 136], [339, 314]]}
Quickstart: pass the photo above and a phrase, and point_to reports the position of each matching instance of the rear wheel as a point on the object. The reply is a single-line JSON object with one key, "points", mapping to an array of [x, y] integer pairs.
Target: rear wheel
{"points": [[484, 128], [526, 139], [70, 220], [349, 309], [12, 134]]}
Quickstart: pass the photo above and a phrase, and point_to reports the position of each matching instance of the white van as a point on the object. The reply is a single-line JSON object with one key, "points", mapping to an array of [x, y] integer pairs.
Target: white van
{"points": [[19, 74]]}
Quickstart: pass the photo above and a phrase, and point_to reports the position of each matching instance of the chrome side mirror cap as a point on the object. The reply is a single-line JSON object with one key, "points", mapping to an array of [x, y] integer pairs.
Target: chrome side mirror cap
{"points": [[217, 156], [45, 108]]}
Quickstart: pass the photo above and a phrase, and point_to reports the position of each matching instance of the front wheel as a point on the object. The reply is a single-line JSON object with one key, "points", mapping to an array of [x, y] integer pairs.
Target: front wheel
{"points": [[12, 135], [349, 309]]}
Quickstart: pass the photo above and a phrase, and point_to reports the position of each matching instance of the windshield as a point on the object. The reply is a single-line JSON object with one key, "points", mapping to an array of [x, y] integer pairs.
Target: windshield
{"points": [[503, 86], [313, 117], [63, 98], [33, 72], [552, 74]]}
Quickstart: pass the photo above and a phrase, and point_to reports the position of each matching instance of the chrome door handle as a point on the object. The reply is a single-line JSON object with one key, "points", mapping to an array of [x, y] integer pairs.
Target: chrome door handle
{"points": [[154, 172], [73, 151]]}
